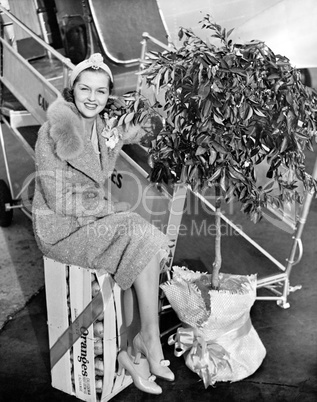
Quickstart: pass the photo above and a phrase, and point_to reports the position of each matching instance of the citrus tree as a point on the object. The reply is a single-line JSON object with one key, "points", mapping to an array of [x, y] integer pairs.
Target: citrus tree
{"points": [[226, 108]]}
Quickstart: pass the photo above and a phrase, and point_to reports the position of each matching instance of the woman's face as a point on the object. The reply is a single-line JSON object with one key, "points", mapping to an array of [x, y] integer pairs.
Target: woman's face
{"points": [[91, 92]]}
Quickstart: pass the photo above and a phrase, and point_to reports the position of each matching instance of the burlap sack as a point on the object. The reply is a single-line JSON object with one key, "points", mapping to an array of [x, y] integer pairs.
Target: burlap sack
{"points": [[217, 337]]}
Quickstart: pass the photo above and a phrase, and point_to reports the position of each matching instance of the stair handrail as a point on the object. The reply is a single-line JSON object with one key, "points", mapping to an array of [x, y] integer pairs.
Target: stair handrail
{"points": [[67, 64], [147, 37]]}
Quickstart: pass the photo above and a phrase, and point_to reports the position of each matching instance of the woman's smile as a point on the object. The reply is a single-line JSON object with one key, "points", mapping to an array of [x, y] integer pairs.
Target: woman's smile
{"points": [[90, 106]]}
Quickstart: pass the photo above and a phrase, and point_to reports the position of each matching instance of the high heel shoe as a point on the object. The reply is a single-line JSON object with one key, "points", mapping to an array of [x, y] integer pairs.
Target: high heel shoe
{"points": [[159, 369], [146, 385]]}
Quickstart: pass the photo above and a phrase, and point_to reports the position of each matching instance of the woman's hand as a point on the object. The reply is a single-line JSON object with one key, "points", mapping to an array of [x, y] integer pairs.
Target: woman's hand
{"points": [[122, 206]]}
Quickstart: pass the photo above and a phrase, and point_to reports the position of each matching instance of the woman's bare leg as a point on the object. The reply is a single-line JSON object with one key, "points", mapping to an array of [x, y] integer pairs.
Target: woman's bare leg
{"points": [[146, 287], [131, 315]]}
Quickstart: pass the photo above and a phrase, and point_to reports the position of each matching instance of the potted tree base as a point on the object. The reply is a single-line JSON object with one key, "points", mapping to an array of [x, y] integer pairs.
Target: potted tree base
{"points": [[217, 338]]}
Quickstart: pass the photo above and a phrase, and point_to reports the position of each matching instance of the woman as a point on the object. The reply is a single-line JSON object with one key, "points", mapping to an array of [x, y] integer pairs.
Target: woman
{"points": [[73, 220]]}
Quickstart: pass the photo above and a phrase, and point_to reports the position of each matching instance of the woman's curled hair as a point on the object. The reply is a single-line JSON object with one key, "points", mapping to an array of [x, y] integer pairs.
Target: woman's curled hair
{"points": [[68, 95]]}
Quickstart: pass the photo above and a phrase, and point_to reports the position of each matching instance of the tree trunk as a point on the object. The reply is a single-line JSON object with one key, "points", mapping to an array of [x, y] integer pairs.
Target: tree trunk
{"points": [[218, 260]]}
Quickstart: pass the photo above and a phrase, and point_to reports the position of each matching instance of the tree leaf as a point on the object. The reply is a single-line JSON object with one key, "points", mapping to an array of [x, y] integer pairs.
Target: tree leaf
{"points": [[230, 32], [212, 157], [218, 147], [258, 112], [121, 120], [200, 151], [217, 119], [214, 176], [238, 71], [136, 104], [236, 175], [249, 113], [129, 117], [203, 91]]}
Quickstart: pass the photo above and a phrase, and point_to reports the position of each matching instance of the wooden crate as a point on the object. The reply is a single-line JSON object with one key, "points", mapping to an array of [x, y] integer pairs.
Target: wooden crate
{"points": [[68, 292]]}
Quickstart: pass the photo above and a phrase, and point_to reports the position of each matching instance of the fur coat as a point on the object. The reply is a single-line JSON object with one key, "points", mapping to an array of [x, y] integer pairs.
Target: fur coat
{"points": [[74, 220]]}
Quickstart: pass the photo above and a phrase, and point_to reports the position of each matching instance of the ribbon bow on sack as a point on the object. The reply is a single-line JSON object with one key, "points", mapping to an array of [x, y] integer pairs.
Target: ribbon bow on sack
{"points": [[205, 358]]}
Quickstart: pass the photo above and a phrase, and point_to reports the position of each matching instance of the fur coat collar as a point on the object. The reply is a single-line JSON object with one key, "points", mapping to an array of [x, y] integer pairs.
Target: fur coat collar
{"points": [[67, 129], [71, 144]]}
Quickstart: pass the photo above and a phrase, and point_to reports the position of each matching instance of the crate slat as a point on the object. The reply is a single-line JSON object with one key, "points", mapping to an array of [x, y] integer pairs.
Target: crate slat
{"points": [[57, 313], [83, 348], [68, 292]]}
